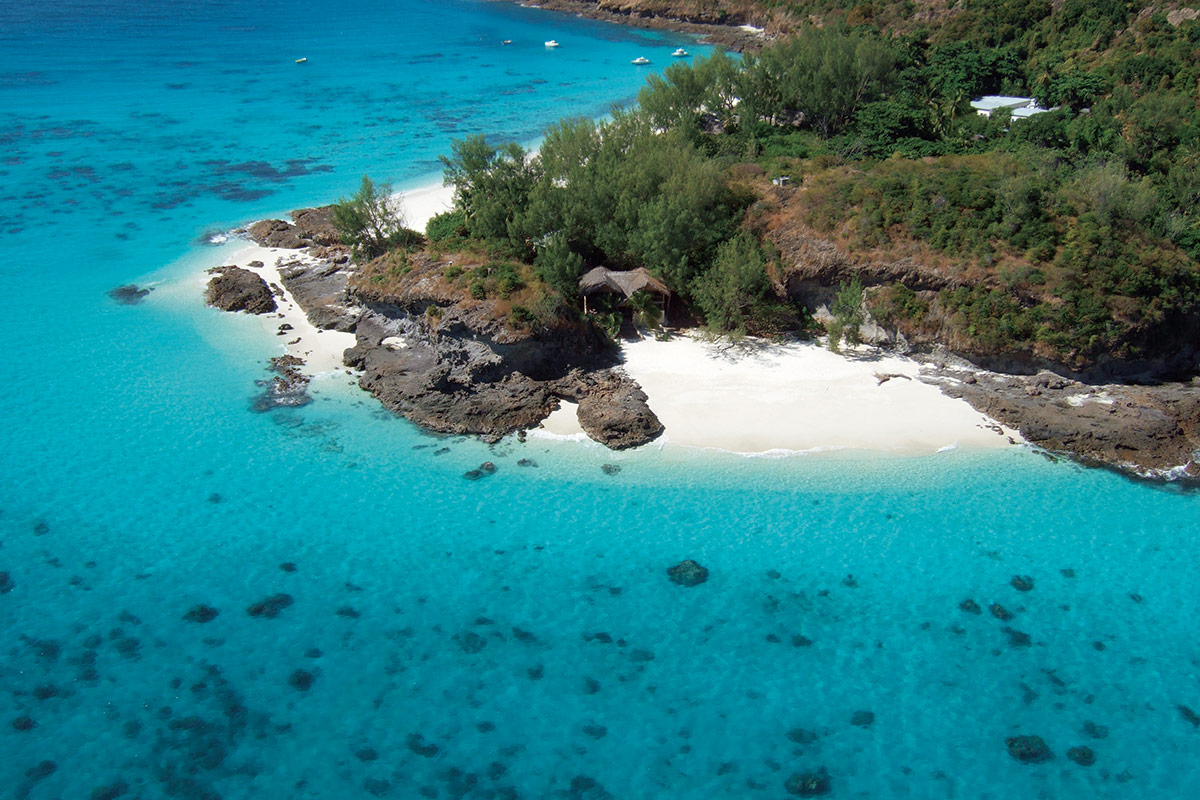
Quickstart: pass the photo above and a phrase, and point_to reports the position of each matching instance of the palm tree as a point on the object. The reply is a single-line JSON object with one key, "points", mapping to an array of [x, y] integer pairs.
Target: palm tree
{"points": [[646, 312]]}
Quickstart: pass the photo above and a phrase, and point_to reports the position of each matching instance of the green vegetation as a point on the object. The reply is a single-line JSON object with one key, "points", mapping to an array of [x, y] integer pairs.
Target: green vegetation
{"points": [[1068, 235], [848, 317], [372, 222]]}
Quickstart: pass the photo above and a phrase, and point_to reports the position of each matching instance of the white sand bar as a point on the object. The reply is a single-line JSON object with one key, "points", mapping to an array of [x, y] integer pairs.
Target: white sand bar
{"points": [[759, 397]]}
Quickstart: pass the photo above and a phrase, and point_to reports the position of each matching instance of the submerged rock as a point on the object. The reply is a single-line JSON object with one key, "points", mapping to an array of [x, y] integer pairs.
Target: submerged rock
{"points": [[1189, 715], [1022, 583], [1017, 638], [376, 787], [237, 289], [1095, 731], [970, 606], [270, 607], [1000, 612], [802, 736], [301, 680], [470, 641], [201, 614], [862, 719], [7, 584], [1082, 755], [416, 743], [129, 294], [1028, 749], [288, 389], [809, 784], [688, 573], [584, 787]]}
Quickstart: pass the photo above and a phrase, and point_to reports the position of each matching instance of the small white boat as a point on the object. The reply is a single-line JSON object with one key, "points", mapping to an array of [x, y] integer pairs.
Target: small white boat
{"points": [[301, 60], [551, 43], [640, 60], [507, 41], [681, 53]]}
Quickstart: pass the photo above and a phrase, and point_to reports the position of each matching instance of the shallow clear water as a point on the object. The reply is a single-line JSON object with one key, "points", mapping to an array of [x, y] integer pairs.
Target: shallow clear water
{"points": [[516, 634]]}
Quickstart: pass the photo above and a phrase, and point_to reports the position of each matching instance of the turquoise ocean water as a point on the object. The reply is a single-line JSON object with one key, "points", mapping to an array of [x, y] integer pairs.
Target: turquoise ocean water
{"points": [[517, 635]]}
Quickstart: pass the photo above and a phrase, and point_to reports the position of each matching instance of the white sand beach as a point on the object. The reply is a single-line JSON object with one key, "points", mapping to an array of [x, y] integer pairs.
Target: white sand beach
{"points": [[759, 397]]}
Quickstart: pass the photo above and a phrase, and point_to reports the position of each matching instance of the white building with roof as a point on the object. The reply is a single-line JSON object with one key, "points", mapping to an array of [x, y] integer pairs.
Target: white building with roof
{"points": [[1021, 107]]}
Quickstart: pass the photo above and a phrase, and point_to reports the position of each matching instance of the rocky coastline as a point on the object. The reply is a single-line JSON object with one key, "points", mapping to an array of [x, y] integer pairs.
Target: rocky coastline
{"points": [[455, 367], [1142, 431], [447, 364], [713, 23]]}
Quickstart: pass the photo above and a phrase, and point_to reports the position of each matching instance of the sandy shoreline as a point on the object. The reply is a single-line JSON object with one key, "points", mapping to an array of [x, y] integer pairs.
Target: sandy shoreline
{"points": [[760, 398]]}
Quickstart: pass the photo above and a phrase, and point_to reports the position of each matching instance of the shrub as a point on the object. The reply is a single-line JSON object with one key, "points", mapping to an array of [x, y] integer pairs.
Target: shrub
{"points": [[446, 226]]}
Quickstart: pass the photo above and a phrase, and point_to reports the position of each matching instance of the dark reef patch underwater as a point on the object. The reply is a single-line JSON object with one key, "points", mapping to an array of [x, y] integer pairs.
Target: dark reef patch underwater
{"points": [[200, 601]]}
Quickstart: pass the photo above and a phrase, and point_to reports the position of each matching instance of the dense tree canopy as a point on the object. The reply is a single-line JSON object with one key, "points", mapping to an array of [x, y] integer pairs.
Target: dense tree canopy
{"points": [[1071, 233]]}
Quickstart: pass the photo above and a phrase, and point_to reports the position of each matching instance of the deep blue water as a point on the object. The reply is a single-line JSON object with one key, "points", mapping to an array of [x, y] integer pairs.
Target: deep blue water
{"points": [[515, 635]]}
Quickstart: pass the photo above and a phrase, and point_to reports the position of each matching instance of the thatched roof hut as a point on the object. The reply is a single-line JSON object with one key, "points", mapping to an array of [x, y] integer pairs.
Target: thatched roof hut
{"points": [[625, 283]]}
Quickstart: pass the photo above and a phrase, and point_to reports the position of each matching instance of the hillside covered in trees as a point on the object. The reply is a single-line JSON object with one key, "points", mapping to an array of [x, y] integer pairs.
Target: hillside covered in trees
{"points": [[1069, 238]]}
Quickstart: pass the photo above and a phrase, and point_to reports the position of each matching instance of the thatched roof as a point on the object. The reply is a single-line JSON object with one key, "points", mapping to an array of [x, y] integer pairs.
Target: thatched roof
{"points": [[627, 282]]}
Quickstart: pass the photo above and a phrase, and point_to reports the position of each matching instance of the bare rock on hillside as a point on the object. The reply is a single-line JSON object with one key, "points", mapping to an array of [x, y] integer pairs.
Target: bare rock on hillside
{"points": [[237, 289]]}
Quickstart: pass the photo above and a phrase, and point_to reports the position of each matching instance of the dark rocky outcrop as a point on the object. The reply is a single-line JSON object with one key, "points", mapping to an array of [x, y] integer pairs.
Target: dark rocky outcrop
{"points": [[276, 233], [688, 573], [1028, 749], [1147, 431], [320, 289], [237, 289], [466, 373], [6, 583], [311, 227], [129, 294], [613, 409]]}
